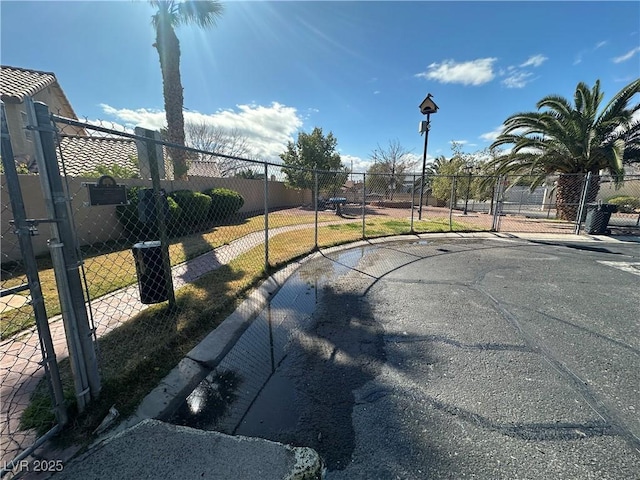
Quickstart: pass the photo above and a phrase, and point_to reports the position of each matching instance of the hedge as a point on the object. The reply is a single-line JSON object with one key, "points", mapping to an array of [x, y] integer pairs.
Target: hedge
{"points": [[626, 204], [128, 217], [224, 203]]}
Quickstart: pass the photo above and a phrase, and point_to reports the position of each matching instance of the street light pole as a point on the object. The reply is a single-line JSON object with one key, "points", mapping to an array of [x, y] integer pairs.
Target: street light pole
{"points": [[427, 107], [424, 165], [466, 198]]}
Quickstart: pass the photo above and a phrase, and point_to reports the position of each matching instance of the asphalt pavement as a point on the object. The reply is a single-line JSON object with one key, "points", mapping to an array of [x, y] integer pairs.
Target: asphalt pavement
{"points": [[486, 356], [490, 358]]}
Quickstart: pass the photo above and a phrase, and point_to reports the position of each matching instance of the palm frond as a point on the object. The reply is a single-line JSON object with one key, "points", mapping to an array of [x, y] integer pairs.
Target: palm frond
{"points": [[620, 102], [556, 104], [567, 139], [202, 13]]}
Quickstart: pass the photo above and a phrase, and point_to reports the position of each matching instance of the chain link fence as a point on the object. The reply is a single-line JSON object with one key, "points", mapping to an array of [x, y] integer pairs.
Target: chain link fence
{"points": [[21, 358], [165, 259]]}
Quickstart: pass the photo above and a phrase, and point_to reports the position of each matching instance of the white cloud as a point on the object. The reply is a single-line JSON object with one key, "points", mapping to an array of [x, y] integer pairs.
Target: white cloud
{"points": [[517, 79], [626, 56], [268, 128], [360, 165], [492, 135], [377, 92], [151, 119], [534, 61], [474, 72], [600, 44]]}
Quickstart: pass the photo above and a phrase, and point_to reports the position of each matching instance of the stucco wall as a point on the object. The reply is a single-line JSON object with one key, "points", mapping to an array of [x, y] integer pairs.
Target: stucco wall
{"points": [[99, 223], [52, 96]]}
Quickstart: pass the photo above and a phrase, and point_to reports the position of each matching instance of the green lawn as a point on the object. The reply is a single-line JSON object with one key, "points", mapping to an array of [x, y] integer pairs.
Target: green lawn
{"points": [[109, 271]]}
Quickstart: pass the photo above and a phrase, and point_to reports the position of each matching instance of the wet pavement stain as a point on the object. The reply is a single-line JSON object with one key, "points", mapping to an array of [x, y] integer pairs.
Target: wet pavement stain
{"points": [[297, 365], [209, 401], [341, 353]]}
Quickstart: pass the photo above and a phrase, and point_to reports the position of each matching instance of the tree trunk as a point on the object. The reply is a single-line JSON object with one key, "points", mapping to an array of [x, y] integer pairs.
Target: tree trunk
{"points": [[168, 48], [569, 194]]}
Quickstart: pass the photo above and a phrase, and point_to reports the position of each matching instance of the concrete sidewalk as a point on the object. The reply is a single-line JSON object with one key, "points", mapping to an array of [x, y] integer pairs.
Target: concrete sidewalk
{"points": [[153, 449]]}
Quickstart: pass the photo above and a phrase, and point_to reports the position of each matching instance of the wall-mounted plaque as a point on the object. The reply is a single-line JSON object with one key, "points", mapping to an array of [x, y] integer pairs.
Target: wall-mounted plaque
{"points": [[107, 192]]}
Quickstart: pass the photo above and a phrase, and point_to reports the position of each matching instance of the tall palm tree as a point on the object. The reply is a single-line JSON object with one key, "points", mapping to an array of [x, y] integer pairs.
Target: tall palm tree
{"points": [[169, 15], [573, 140]]}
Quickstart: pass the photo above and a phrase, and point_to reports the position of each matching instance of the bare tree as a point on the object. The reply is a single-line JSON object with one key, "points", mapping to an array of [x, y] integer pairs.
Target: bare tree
{"points": [[391, 164], [218, 141]]}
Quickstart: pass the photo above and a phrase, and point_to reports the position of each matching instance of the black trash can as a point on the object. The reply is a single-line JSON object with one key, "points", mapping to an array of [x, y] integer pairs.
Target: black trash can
{"points": [[597, 219], [151, 280]]}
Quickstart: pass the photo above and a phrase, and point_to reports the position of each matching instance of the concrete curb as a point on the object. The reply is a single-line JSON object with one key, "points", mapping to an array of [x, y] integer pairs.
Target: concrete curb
{"points": [[164, 400]]}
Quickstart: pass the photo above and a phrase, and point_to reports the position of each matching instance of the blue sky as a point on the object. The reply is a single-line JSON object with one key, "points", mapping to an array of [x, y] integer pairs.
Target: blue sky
{"points": [[358, 69]]}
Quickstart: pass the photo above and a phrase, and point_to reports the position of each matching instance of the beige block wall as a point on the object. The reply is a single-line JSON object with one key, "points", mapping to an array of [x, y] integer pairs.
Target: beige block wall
{"points": [[631, 188], [97, 224]]}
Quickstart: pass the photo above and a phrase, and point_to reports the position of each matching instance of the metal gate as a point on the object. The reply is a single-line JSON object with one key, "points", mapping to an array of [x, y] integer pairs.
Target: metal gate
{"points": [[29, 355]]}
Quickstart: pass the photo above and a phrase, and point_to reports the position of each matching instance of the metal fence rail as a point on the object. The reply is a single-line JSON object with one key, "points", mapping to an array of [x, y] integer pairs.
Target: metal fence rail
{"points": [[141, 261]]}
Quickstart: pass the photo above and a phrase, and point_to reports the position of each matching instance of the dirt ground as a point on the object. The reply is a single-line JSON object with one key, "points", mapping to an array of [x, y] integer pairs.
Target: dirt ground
{"points": [[620, 224]]}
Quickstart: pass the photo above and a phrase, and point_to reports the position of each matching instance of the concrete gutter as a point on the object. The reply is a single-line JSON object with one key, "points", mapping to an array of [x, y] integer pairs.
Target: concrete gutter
{"points": [[164, 400], [144, 447]]}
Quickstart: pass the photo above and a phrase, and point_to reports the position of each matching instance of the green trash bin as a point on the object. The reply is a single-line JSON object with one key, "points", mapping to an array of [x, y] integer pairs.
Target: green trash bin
{"points": [[151, 279], [597, 219]]}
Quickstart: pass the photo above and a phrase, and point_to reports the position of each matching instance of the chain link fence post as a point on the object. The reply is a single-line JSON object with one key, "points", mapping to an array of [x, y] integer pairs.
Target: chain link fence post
{"points": [[266, 217], [413, 198], [82, 348], [497, 203], [23, 232], [364, 205], [583, 203], [315, 207], [452, 200]]}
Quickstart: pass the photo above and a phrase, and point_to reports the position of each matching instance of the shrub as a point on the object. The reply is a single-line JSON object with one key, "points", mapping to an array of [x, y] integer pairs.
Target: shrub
{"points": [[128, 217], [224, 202], [626, 204], [115, 170], [194, 206]]}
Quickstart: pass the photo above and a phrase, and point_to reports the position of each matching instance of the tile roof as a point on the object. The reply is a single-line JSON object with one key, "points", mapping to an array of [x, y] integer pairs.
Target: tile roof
{"points": [[18, 83], [81, 155]]}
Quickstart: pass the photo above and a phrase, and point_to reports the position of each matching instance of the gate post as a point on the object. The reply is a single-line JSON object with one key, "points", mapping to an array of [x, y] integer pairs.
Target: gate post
{"points": [[49, 362], [64, 252], [151, 151], [497, 203], [583, 203]]}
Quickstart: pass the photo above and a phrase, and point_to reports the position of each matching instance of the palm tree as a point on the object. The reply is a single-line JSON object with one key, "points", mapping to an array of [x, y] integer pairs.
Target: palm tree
{"points": [[573, 140], [169, 15]]}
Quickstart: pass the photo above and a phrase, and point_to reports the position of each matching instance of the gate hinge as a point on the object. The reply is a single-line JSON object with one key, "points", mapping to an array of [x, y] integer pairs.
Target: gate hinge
{"points": [[31, 224]]}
